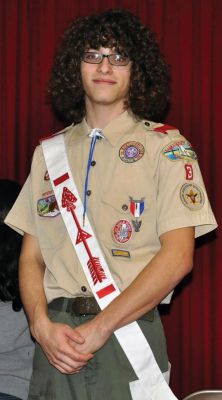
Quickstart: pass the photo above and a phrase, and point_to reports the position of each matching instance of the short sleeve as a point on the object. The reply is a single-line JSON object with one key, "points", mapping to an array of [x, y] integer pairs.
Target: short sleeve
{"points": [[20, 217], [182, 199]]}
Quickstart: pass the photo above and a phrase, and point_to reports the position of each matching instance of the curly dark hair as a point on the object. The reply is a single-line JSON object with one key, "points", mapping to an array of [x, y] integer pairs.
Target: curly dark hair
{"points": [[122, 30], [10, 246]]}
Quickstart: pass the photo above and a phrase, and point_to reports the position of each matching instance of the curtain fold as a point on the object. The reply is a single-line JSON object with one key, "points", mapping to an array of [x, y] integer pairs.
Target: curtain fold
{"points": [[190, 35]]}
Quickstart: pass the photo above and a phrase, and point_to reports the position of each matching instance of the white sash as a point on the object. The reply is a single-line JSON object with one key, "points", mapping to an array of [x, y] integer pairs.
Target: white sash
{"points": [[151, 384]]}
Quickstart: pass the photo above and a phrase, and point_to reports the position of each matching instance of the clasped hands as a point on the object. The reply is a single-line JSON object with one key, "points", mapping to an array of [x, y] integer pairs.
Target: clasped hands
{"points": [[70, 349]]}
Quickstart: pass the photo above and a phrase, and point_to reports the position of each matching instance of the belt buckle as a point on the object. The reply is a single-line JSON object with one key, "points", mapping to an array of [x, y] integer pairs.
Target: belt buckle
{"points": [[76, 307], [81, 307]]}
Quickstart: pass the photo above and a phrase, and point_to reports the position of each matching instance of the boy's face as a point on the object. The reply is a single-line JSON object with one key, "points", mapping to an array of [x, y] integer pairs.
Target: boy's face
{"points": [[105, 84]]}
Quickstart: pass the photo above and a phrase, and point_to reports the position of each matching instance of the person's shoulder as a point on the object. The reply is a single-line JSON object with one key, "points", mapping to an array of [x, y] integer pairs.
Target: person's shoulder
{"points": [[161, 135], [67, 131], [160, 132], [167, 140]]}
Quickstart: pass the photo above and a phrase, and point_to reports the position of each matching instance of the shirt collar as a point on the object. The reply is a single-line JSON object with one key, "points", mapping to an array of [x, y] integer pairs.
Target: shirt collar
{"points": [[113, 132]]}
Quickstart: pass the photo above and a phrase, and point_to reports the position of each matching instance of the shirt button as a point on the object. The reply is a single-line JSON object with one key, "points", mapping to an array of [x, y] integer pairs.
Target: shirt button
{"points": [[93, 163], [88, 192], [84, 289], [124, 207]]}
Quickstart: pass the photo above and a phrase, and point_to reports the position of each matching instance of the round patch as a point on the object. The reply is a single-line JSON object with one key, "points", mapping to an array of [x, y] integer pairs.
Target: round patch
{"points": [[192, 196], [122, 231], [179, 150], [131, 152]]}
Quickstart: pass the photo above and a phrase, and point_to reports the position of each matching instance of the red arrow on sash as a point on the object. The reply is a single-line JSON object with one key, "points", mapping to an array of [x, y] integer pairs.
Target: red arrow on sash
{"points": [[95, 268]]}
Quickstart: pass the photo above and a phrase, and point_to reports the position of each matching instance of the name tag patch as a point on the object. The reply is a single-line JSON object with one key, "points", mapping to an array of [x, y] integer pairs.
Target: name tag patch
{"points": [[120, 253]]}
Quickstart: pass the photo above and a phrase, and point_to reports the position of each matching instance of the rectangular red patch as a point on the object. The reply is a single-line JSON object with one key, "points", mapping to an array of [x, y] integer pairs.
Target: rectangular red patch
{"points": [[164, 128], [105, 291], [189, 172], [61, 179]]}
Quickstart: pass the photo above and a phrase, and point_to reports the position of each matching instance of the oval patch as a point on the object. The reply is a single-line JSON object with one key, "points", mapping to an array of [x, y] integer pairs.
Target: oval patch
{"points": [[131, 152], [179, 150], [192, 196], [122, 231]]}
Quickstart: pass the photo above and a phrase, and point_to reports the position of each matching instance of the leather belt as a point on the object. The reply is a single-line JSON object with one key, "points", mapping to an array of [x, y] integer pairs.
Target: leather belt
{"points": [[82, 306]]}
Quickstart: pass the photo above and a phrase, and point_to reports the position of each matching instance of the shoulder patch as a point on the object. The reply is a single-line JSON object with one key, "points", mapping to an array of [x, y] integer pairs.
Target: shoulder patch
{"points": [[179, 150], [192, 196]]}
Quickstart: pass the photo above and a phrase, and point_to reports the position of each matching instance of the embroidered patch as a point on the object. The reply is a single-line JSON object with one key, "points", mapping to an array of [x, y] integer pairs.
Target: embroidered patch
{"points": [[131, 152], [46, 176], [120, 253], [192, 196], [189, 171], [179, 150], [122, 231], [48, 207]]}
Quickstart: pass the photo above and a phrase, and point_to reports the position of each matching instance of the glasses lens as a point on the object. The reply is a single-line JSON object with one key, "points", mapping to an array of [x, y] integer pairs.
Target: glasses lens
{"points": [[92, 57], [118, 59]]}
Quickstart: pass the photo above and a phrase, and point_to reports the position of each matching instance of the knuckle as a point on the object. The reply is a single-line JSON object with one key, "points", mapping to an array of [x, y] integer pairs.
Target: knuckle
{"points": [[61, 349]]}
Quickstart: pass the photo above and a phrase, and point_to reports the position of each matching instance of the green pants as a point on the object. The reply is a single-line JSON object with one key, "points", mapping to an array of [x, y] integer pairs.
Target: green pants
{"points": [[107, 375]]}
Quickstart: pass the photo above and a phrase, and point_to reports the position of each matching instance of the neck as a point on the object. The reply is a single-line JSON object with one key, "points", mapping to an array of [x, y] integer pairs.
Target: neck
{"points": [[100, 116]]}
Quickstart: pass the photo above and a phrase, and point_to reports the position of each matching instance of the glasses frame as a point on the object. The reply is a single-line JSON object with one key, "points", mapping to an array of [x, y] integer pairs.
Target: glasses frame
{"points": [[102, 56]]}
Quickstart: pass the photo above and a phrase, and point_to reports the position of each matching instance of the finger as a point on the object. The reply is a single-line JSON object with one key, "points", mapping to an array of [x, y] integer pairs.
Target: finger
{"points": [[66, 369], [77, 370], [73, 360], [73, 352], [74, 335]]}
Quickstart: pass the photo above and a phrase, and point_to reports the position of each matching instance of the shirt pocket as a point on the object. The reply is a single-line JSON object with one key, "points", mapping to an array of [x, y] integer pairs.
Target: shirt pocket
{"points": [[123, 217]]}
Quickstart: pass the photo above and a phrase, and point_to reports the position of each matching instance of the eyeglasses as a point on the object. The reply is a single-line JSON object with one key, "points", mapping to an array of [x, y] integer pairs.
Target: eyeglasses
{"points": [[92, 57]]}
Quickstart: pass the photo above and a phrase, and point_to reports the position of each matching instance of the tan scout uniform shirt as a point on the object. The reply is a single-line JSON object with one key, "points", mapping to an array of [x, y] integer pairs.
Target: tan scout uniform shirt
{"points": [[142, 183]]}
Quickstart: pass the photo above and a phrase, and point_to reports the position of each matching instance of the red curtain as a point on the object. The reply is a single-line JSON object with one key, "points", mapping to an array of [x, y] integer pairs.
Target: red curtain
{"points": [[190, 34]]}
